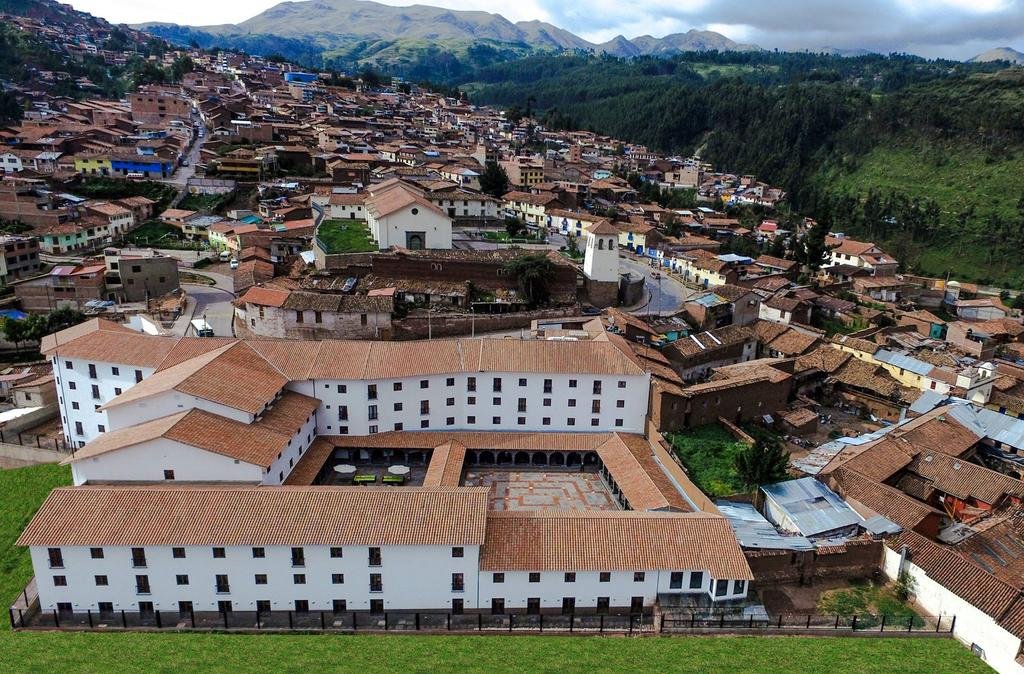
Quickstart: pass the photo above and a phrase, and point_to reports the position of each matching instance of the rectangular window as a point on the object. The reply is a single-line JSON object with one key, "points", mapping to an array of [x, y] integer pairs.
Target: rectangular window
{"points": [[622, 383], [56, 558], [533, 605], [458, 582], [458, 552], [397, 386], [374, 557], [299, 578], [225, 606], [101, 580], [498, 578], [106, 608], [376, 606], [570, 422], [424, 407], [181, 579], [497, 605], [696, 580], [342, 388], [522, 381], [142, 584], [219, 553], [676, 580], [168, 474], [424, 383], [496, 421], [138, 557], [570, 576], [302, 606], [339, 605], [179, 553], [721, 588], [605, 577], [547, 385], [260, 579], [471, 420], [337, 578], [259, 553], [96, 553], [298, 557], [571, 402], [92, 371], [221, 584], [534, 577], [597, 387], [572, 383], [60, 581], [450, 381], [457, 606], [336, 553], [638, 576], [602, 605], [398, 407], [471, 383], [95, 392], [496, 384], [138, 376], [371, 391], [595, 407], [376, 584], [522, 405], [568, 605], [739, 586]]}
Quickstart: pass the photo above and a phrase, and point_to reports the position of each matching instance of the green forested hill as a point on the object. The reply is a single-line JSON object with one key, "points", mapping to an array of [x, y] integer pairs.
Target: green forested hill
{"points": [[924, 156]]}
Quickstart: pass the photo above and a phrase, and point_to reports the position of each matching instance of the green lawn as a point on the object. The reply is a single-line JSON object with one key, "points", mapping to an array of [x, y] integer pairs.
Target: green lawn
{"points": [[345, 236], [709, 454], [868, 600], [203, 202], [50, 652], [23, 489], [154, 232]]}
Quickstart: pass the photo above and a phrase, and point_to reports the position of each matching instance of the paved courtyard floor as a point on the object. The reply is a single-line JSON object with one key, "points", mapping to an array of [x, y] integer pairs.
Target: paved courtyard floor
{"points": [[542, 490]]}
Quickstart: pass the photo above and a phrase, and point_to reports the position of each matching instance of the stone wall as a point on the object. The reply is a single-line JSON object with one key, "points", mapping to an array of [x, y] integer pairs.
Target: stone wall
{"points": [[854, 559], [447, 325]]}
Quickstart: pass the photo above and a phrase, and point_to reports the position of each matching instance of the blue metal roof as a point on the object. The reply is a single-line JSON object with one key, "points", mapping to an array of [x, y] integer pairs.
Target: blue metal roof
{"points": [[903, 361], [754, 531], [813, 507]]}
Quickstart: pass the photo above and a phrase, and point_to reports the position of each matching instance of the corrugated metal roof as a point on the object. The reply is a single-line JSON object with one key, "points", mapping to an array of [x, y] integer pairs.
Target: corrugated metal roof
{"points": [[812, 506], [903, 361], [754, 531]]}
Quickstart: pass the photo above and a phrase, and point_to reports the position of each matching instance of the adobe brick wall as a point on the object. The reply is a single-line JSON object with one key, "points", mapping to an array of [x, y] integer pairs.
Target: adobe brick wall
{"points": [[740, 403], [858, 559], [416, 327], [601, 294]]}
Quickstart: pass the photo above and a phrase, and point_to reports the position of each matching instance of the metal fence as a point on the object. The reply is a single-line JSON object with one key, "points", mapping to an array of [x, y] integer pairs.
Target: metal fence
{"points": [[344, 621], [56, 444], [941, 624], [412, 621]]}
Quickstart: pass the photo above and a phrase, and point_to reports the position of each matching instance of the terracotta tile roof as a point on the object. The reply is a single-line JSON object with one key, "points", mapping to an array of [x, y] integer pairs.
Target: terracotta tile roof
{"points": [[128, 346], [958, 574], [636, 485], [191, 347], [121, 438], [881, 460], [644, 452], [793, 342], [252, 443], [445, 469], [856, 343], [824, 358], [580, 442], [937, 431], [288, 413], [224, 516], [268, 297], [50, 342], [963, 479], [340, 360], [612, 541], [882, 499], [292, 358], [239, 378]]}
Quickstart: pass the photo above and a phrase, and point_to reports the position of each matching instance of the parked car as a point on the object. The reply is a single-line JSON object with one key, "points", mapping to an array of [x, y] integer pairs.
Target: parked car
{"points": [[233, 264], [350, 284]]}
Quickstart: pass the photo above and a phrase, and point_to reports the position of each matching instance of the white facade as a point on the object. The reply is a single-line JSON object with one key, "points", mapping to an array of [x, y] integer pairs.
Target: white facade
{"points": [[421, 577], [973, 626], [348, 408], [601, 258], [412, 577], [79, 401], [413, 226]]}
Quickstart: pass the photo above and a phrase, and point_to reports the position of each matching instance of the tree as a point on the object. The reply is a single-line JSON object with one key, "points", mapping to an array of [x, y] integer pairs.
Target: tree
{"points": [[672, 225], [14, 331], [10, 109], [761, 463], [814, 251], [514, 227], [534, 272], [494, 180], [181, 66], [62, 319]]}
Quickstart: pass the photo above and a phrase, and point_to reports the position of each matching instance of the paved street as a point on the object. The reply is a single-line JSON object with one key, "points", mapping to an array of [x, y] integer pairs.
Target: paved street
{"points": [[215, 304], [666, 295]]}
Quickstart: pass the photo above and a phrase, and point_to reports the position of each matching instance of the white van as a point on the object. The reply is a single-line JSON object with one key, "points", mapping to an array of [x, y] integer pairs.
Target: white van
{"points": [[225, 255]]}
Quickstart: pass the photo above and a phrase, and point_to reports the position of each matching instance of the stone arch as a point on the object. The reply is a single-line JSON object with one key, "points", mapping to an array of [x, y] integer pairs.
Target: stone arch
{"points": [[522, 459], [539, 459], [556, 459], [504, 458], [574, 459], [591, 459], [487, 458]]}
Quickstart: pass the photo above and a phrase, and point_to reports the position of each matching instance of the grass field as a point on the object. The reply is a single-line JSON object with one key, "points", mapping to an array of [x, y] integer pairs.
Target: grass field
{"points": [[955, 177], [23, 489], [154, 232], [49, 652], [867, 600], [345, 236], [709, 454]]}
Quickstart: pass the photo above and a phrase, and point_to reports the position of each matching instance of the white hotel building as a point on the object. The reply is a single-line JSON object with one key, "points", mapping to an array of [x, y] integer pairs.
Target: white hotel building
{"points": [[205, 485]]}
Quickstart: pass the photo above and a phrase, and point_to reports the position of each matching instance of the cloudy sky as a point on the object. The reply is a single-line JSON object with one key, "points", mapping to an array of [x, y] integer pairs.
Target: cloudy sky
{"points": [[948, 28]]}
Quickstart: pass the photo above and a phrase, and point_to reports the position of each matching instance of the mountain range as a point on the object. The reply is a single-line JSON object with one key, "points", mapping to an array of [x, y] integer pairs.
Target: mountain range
{"points": [[999, 54], [340, 24]]}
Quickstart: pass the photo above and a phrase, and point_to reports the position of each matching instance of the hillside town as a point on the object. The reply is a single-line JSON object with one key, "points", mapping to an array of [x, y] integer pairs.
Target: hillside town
{"points": [[267, 264]]}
